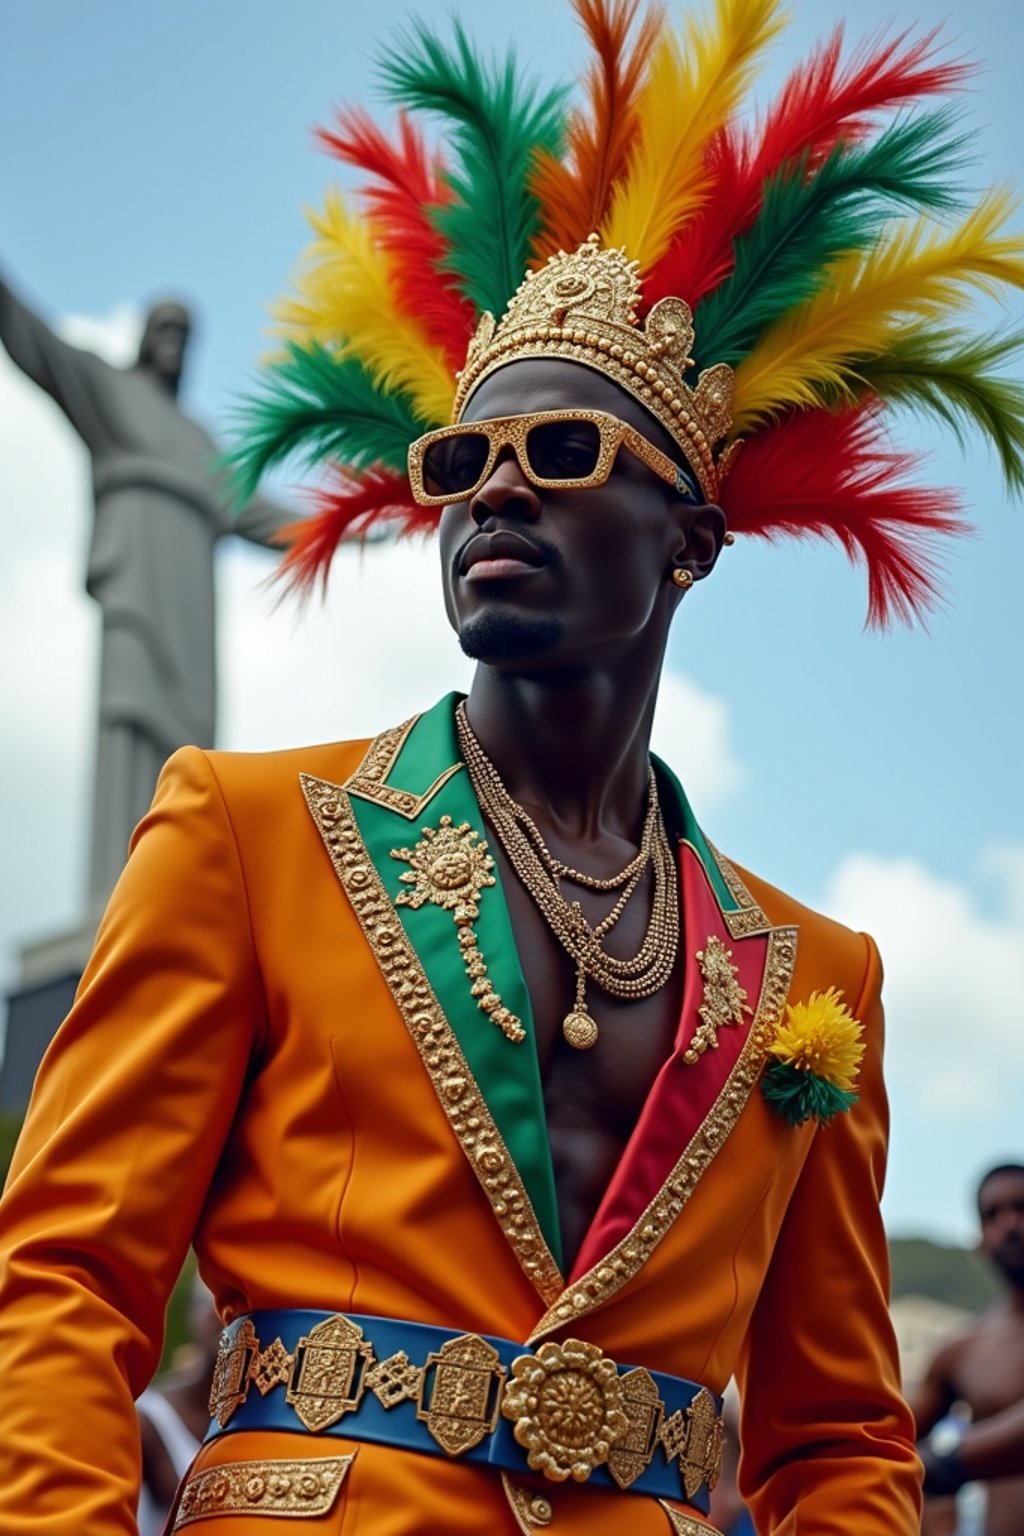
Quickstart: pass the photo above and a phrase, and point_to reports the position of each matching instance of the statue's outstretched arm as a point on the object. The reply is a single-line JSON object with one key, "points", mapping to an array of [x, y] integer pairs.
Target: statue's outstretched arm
{"points": [[261, 519], [67, 373]]}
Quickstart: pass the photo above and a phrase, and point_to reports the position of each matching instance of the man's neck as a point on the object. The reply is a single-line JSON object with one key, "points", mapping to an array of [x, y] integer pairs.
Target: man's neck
{"points": [[1015, 1299], [572, 747]]}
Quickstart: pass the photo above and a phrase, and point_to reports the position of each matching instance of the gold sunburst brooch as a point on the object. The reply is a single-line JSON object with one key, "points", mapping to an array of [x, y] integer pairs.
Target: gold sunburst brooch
{"points": [[449, 868], [816, 1058]]}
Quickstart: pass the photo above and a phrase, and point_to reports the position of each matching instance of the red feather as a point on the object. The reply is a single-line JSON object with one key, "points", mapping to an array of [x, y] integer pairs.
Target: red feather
{"points": [[347, 510], [405, 184], [574, 193], [818, 474], [820, 104]]}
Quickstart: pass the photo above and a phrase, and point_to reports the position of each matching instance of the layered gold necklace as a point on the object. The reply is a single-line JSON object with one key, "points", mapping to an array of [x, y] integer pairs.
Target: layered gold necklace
{"points": [[641, 974]]}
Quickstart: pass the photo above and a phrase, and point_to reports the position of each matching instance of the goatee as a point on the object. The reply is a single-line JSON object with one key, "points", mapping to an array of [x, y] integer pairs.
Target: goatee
{"points": [[498, 635]]}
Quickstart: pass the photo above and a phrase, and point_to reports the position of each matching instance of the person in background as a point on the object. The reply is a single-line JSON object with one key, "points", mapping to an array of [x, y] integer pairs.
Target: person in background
{"points": [[174, 1415], [984, 1368]]}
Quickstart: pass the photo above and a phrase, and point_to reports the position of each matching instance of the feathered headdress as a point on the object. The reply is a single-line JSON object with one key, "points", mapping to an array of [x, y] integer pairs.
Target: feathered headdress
{"points": [[824, 252]]}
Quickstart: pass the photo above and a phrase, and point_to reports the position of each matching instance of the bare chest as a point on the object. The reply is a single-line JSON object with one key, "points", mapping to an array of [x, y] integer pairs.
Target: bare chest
{"points": [[990, 1373], [593, 1098]]}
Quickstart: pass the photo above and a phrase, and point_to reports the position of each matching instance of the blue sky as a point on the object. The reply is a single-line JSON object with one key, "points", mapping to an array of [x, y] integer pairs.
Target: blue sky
{"points": [[152, 149]]}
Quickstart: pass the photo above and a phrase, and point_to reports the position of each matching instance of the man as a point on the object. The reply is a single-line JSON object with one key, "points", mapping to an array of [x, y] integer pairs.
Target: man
{"points": [[984, 1368], [327, 1015], [509, 1119], [161, 504]]}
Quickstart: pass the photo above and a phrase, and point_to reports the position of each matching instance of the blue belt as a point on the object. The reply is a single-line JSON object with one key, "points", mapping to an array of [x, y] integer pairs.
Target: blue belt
{"points": [[564, 1410]]}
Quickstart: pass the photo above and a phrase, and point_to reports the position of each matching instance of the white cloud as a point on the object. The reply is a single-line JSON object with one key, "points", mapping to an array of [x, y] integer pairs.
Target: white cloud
{"points": [[954, 1046], [692, 733], [114, 336], [952, 979]]}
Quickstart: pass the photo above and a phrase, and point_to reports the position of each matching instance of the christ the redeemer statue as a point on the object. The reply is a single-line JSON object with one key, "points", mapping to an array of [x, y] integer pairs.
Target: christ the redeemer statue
{"points": [[161, 504]]}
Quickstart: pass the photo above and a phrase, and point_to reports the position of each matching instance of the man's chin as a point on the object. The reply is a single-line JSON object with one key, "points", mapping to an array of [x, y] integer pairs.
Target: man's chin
{"points": [[496, 636]]}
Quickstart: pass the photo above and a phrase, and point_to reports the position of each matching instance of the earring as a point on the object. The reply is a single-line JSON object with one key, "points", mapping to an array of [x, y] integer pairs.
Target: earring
{"points": [[682, 578]]}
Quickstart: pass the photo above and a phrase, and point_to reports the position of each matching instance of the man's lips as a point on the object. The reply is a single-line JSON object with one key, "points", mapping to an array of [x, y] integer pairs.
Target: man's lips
{"points": [[499, 556]]}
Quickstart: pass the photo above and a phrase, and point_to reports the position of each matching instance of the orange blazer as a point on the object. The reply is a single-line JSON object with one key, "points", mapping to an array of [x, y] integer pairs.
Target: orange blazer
{"points": [[270, 1059]]}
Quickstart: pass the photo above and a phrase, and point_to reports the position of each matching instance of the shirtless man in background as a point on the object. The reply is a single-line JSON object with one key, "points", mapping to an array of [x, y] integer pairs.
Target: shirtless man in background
{"points": [[984, 1368]]}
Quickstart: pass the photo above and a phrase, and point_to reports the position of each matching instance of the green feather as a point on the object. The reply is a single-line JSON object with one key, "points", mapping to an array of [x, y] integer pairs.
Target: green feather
{"points": [[950, 374], [496, 124], [315, 406], [808, 219], [798, 1096]]}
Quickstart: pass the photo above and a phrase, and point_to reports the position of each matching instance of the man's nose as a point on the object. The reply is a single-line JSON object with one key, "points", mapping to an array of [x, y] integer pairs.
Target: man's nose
{"points": [[506, 493]]}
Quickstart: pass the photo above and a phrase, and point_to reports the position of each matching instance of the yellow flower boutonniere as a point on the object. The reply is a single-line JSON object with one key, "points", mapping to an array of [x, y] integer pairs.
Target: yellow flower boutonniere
{"points": [[815, 1060]]}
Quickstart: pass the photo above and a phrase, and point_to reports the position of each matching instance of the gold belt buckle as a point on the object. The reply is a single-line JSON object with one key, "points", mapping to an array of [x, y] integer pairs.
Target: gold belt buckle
{"points": [[568, 1408]]}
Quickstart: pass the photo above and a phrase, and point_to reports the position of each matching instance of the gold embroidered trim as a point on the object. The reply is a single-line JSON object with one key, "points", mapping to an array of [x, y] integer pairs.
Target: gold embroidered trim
{"points": [[442, 1056], [684, 1525], [368, 780], [532, 1511], [401, 800], [628, 1257], [750, 918], [382, 753], [297, 1489]]}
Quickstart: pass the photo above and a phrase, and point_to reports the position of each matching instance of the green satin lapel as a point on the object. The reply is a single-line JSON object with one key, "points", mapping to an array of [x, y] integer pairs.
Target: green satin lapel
{"points": [[507, 1073]]}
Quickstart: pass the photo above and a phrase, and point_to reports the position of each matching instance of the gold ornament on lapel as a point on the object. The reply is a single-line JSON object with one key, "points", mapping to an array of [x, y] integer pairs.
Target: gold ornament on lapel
{"points": [[724, 1001], [450, 867]]}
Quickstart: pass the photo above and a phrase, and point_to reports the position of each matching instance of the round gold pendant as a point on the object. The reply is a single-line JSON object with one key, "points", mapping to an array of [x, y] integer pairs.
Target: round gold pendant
{"points": [[580, 1030]]}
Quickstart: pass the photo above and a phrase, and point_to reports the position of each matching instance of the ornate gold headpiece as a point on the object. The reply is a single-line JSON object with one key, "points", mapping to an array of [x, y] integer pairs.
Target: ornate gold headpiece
{"points": [[583, 307]]}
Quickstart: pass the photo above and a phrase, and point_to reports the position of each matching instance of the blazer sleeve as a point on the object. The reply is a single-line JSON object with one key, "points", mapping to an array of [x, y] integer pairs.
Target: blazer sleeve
{"points": [[827, 1440], [131, 1108]]}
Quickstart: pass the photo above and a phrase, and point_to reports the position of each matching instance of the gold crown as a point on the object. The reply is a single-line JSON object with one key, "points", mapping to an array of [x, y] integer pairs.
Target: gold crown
{"points": [[582, 307]]}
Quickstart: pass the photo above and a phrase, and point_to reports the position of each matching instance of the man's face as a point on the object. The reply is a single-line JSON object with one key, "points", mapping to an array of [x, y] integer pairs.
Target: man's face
{"points": [[542, 579], [1001, 1210]]}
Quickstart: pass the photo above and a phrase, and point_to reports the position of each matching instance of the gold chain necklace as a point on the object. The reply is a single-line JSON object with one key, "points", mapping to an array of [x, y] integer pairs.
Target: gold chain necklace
{"points": [[637, 976]]}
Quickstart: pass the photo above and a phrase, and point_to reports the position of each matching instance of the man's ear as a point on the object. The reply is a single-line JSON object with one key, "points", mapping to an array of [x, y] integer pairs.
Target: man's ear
{"points": [[701, 534]]}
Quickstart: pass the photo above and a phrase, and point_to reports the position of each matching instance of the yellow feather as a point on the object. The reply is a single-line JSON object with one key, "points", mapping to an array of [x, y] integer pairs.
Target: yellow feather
{"points": [[919, 273], [346, 299], [694, 84]]}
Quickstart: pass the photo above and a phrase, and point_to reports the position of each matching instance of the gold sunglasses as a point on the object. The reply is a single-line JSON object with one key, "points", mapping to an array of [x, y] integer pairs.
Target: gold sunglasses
{"points": [[556, 451]]}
